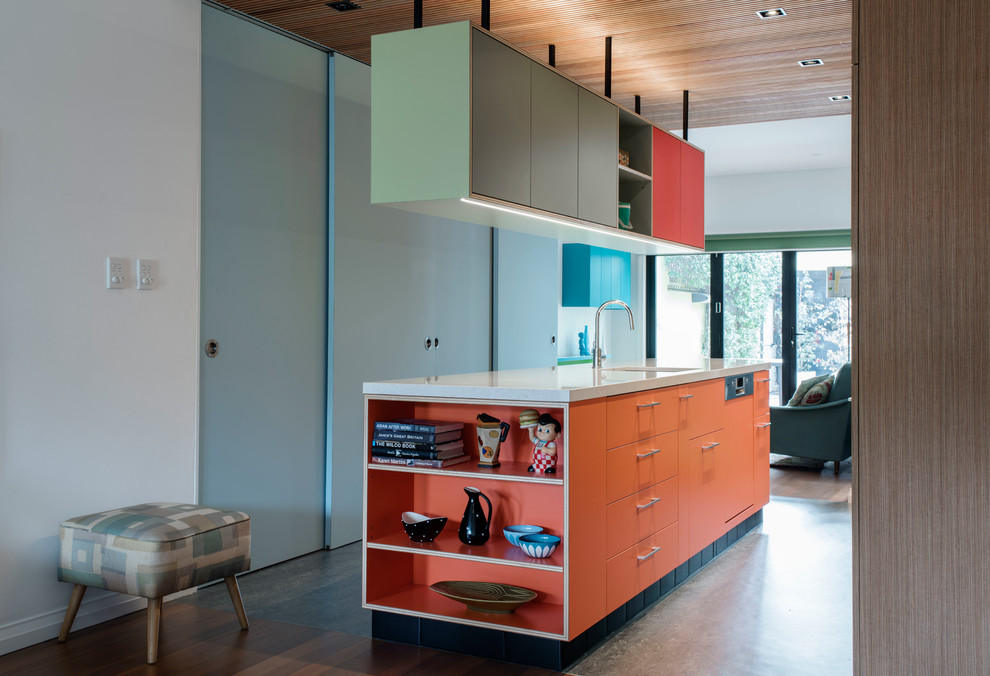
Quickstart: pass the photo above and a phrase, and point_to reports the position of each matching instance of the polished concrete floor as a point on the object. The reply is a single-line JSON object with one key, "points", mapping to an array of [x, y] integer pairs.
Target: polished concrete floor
{"points": [[779, 601]]}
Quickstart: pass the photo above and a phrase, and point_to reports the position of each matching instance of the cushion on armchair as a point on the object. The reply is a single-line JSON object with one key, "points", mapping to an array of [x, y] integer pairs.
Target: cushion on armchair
{"points": [[818, 394], [803, 388]]}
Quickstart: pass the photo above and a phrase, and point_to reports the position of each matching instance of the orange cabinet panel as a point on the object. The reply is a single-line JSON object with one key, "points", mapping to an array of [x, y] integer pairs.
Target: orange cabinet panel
{"points": [[640, 415], [692, 196], [638, 567], [705, 488], [700, 407], [761, 391], [633, 518], [633, 467], [735, 456], [666, 186], [761, 460]]}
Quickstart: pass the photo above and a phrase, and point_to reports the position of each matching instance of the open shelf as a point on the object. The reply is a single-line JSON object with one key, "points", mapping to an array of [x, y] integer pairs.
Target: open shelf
{"points": [[627, 175], [507, 471], [536, 618], [497, 550]]}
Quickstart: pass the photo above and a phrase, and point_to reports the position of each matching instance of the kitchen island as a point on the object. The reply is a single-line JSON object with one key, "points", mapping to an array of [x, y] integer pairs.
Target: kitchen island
{"points": [[658, 470]]}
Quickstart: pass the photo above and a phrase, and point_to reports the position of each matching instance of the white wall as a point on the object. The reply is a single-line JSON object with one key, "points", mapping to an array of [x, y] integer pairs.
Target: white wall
{"points": [[818, 199], [99, 155]]}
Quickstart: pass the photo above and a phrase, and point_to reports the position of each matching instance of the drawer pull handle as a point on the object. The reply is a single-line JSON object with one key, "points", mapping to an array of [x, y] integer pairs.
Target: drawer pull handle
{"points": [[655, 403], [687, 396], [762, 425], [640, 456], [649, 504], [705, 448], [644, 557], [763, 380]]}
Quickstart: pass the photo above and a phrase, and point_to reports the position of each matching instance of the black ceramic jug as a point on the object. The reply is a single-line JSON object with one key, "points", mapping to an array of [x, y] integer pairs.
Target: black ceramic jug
{"points": [[474, 524]]}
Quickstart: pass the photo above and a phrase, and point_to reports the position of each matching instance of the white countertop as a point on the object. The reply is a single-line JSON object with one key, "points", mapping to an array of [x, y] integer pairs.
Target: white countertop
{"points": [[572, 382]]}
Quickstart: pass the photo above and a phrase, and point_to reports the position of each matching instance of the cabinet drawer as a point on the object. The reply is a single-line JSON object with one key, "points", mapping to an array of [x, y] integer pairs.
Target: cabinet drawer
{"points": [[640, 515], [633, 467], [638, 567], [637, 416], [761, 392], [700, 407]]}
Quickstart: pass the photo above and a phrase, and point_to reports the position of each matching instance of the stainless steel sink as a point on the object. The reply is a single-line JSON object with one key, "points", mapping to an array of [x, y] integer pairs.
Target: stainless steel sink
{"points": [[651, 369]]}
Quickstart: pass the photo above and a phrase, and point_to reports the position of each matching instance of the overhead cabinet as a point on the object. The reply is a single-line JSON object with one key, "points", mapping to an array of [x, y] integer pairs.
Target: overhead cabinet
{"points": [[467, 127]]}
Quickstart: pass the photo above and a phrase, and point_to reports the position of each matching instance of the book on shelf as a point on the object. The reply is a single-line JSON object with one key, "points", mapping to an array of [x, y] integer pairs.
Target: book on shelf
{"points": [[418, 425], [420, 462], [386, 452], [418, 437], [385, 444]]}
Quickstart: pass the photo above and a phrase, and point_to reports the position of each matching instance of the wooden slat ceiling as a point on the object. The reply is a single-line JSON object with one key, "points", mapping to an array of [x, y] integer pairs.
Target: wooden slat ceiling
{"points": [[739, 68]]}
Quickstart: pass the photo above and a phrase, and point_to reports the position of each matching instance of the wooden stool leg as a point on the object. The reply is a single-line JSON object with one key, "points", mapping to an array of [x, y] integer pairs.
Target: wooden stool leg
{"points": [[154, 620], [235, 596], [70, 612]]}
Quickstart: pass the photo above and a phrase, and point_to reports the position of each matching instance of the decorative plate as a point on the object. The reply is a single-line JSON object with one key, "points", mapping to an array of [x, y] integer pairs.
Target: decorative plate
{"points": [[485, 597]]}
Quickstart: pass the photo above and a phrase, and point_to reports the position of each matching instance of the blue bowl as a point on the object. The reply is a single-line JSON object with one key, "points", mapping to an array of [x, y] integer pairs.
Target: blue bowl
{"points": [[513, 533], [539, 545]]}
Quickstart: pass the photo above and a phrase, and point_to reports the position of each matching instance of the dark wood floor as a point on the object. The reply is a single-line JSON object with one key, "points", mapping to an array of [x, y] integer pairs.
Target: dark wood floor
{"points": [[204, 641]]}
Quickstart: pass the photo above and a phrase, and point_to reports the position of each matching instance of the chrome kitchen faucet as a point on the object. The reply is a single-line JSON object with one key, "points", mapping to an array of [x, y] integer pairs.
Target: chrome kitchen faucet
{"points": [[596, 350]]}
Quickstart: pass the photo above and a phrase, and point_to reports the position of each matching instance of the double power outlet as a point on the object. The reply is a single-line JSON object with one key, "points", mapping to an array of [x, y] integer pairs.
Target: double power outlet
{"points": [[144, 273]]}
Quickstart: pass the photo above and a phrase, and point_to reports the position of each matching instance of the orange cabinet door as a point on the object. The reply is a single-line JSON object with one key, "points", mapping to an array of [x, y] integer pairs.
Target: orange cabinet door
{"points": [[640, 415], [735, 457], [633, 467], [761, 392], [705, 488], [761, 460], [666, 186], [638, 567], [700, 407], [692, 196], [641, 514]]}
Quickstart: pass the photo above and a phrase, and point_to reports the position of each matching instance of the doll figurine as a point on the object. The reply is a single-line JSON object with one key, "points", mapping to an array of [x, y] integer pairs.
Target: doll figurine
{"points": [[543, 436]]}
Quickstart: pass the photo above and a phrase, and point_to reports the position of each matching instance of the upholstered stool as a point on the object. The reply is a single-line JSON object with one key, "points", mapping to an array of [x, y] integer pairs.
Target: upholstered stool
{"points": [[153, 550]]}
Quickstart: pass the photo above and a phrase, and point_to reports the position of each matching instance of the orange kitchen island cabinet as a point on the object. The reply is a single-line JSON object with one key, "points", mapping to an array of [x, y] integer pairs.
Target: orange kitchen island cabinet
{"points": [[641, 498]]}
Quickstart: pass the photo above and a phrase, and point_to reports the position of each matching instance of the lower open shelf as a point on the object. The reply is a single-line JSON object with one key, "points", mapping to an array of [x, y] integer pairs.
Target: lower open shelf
{"points": [[535, 618], [497, 550]]}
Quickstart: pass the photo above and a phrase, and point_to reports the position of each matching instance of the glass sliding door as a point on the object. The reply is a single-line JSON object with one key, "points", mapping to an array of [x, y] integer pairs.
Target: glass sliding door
{"points": [[752, 311], [823, 321]]}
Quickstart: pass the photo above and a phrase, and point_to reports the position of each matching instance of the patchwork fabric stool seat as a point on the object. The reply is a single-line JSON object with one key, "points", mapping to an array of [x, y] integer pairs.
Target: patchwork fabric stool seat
{"points": [[153, 550]]}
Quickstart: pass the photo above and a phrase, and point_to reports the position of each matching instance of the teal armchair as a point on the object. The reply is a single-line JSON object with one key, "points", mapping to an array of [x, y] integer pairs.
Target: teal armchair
{"points": [[821, 432]]}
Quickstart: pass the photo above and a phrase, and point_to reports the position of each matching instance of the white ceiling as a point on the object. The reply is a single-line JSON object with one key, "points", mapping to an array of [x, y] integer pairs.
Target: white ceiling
{"points": [[787, 145]]}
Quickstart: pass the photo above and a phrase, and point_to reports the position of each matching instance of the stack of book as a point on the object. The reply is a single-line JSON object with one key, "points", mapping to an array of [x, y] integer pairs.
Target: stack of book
{"points": [[418, 443]]}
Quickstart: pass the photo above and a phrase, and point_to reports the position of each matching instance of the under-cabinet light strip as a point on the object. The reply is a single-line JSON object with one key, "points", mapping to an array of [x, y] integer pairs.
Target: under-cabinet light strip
{"points": [[571, 224]]}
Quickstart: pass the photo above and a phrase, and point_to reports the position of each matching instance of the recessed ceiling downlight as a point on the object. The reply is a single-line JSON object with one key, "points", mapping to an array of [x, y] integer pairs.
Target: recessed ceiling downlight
{"points": [[343, 5], [771, 13], [844, 97], [810, 62]]}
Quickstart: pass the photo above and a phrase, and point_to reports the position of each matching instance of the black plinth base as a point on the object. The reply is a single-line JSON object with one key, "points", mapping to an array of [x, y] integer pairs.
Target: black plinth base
{"points": [[536, 651]]}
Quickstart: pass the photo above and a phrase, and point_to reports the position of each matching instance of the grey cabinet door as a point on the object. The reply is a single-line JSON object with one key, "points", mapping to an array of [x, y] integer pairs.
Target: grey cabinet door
{"points": [[500, 120], [598, 160], [554, 163]]}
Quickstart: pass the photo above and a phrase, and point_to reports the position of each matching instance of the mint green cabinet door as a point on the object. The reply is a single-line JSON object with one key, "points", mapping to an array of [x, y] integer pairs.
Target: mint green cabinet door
{"points": [[598, 160], [500, 120], [555, 142]]}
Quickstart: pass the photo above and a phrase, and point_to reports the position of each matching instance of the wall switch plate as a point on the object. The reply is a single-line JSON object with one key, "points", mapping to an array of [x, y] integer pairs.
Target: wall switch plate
{"points": [[116, 272], [146, 273]]}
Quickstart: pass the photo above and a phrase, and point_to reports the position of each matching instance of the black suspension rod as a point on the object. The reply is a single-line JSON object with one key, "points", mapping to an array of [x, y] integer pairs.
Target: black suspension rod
{"points": [[685, 125], [417, 13], [608, 67], [553, 56], [637, 104], [486, 14]]}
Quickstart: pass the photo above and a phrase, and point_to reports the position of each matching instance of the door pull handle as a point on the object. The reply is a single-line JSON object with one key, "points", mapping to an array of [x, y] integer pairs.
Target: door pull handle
{"points": [[640, 456], [655, 403], [705, 448], [762, 425], [649, 504], [644, 557]]}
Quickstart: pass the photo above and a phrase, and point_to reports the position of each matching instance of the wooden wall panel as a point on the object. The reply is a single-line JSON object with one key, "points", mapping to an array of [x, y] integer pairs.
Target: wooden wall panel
{"points": [[922, 253]]}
